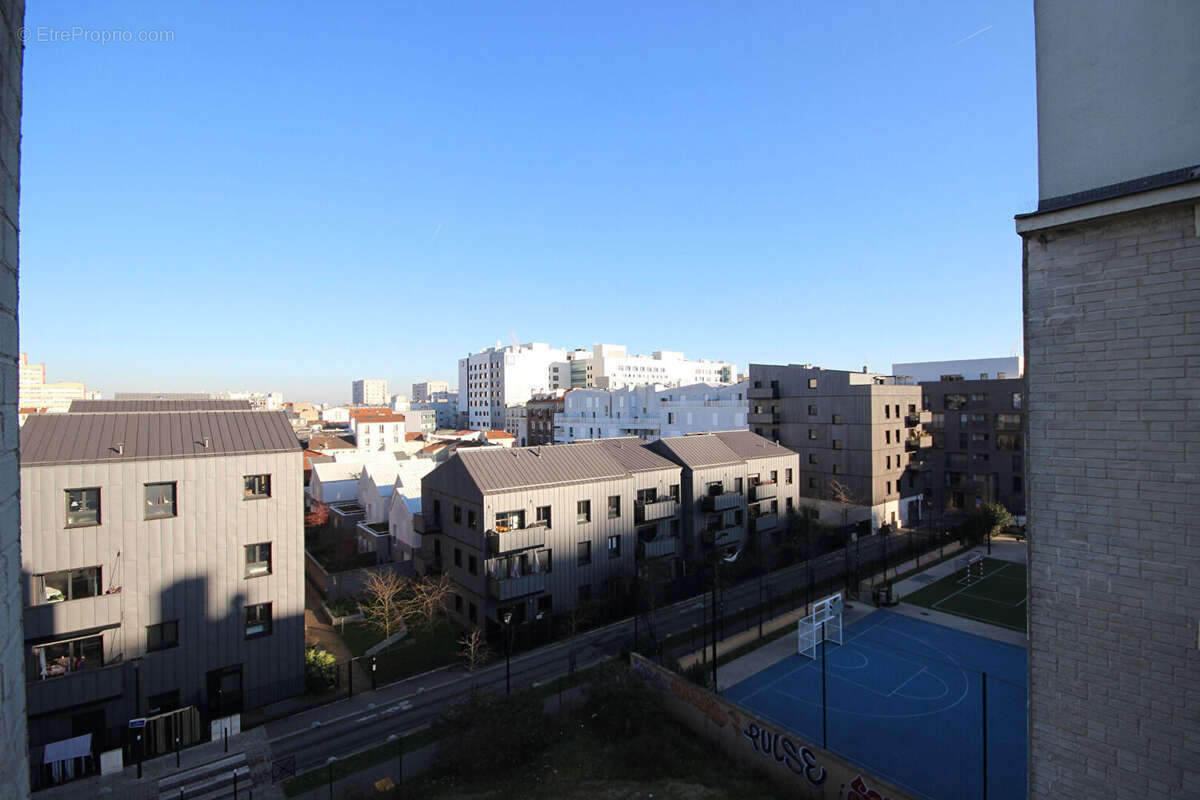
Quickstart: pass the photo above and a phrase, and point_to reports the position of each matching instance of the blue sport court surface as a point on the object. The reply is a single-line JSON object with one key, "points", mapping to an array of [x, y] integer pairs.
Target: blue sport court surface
{"points": [[903, 700]]}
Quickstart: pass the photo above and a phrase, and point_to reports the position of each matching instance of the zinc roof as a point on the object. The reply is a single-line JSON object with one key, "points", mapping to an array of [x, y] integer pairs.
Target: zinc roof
{"points": [[699, 450], [750, 445], [84, 438], [526, 467]]}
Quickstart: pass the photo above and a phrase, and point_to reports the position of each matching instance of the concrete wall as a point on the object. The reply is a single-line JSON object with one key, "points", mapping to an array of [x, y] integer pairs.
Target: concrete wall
{"points": [[1112, 334], [1112, 77], [13, 743]]}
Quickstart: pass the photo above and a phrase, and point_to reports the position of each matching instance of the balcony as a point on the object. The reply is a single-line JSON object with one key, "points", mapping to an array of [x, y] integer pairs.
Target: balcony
{"points": [[507, 588], [660, 547], [101, 611], [765, 418], [721, 502], [763, 491], [662, 508], [763, 393], [918, 418], [423, 523], [917, 443], [73, 688], [764, 523], [521, 539]]}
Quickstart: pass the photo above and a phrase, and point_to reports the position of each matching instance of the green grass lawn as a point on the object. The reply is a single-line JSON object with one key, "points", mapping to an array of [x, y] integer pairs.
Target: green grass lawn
{"points": [[997, 598], [421, 650]]}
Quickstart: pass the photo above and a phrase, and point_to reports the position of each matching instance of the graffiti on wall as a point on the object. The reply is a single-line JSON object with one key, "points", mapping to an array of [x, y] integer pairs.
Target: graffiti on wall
{"points": [[859, 790], [798, 758]]}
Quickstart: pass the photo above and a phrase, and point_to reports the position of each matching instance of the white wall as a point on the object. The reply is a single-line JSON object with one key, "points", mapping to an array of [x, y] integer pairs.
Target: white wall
{"points": [[651, 411], [970, 368]]}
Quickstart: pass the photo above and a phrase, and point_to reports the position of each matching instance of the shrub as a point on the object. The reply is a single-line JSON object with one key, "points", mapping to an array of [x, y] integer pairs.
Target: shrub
{"points": [[320, 669], [491, 733]]}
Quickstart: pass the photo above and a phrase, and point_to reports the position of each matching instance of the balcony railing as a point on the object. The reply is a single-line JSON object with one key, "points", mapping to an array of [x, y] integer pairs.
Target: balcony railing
{"points": [[661, 546], [763, 393], [43, 696], [916, 443], [423, 523], [521, 539], [721, 502], [763, 418], [100, 611], [763, 491], [662, 508], [765, 522], [508, 588], [916, 418]]}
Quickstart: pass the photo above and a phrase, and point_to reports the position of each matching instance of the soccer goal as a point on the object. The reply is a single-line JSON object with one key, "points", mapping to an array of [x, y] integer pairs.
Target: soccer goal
{"points": [[823, 624], [972, 570]]}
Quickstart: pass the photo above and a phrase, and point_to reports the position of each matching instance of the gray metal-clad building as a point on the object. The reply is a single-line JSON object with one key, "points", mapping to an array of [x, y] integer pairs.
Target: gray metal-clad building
{"points": [[162, 565], [540, 530]]}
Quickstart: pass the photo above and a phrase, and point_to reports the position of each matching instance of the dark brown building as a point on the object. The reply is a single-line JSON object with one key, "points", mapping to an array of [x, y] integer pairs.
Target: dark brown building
{"points": [[978, 448], [540, 412]]}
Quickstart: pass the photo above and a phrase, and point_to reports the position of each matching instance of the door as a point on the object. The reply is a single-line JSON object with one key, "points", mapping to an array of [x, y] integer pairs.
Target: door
{"points": [[224, 691]]}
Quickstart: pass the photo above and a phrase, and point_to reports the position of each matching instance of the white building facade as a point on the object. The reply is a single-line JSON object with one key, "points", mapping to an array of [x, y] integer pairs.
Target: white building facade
{"points": [[610, 366], [492, 379], [516, 422], [650, 412], [969, 369], [425, 391], [369, 392]]}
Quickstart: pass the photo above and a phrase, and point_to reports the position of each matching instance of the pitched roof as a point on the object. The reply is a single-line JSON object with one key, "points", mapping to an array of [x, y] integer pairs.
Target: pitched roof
{"points": [[750, 445], [375, 415], [83, 438], [499, 435], [413, 437], [329, 443], [155, 406], [718, 448], [495, 470]]}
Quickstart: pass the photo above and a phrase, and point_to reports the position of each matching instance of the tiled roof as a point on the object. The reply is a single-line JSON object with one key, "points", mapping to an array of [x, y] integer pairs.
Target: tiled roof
{"points": [[413, 437], [500, 469], [155, 406], [375, 415], [329, 443], [499, 435], [82, 438]]}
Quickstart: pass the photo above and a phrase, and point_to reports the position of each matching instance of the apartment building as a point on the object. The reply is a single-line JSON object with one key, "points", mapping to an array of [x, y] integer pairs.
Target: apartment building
{"points": [[650, 412], [541, 530], [34, 392], [967, 369], [609, 366], [14, 754], [976, 453], [855, 433], [492, 379], [377, 428], [736, 486], [516, 423], [369, 392], [426, 391], [541, 412], [1111, 281], [444, 408], [162, 567]]}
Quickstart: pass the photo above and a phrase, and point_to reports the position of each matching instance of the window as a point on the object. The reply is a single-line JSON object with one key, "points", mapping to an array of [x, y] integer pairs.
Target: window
{"points": [[1018, 484], [614, 506], [258, 559], [1008, 441], [953, 402], [71, 584], [457, 557], [978, 397], [837, 444], [160, 500], [83, 507], [510, 520], [257, 487], [614, 547], [543, 515], [583, 554], [258, 620], [737, 485], [812, 434], [889, 487], [774, 476], [887, 462], [887, 437], [61, 658], [162, 636], [812, 410], [837, 469], [812, 482], [887, 411], [583, 511], [812, 458], [473, 613], [1016, 400], [163, 702], [812, 383], [787, 476], [457, 515], [472, 521], [545, 560], [787, 504], [472, 565], [837, 419]]}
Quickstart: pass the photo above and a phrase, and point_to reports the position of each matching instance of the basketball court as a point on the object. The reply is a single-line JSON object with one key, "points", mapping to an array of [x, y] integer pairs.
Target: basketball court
{"points": [[904, 699]]}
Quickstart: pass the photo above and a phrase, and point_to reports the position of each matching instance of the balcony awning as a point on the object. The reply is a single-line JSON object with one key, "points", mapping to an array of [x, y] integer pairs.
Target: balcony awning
{"points": [[68, 749]]}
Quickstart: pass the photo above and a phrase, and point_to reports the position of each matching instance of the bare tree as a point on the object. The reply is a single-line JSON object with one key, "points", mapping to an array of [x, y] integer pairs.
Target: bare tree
{"points": [[840, 493], [474, 650], [424, 598], [382, 602]]}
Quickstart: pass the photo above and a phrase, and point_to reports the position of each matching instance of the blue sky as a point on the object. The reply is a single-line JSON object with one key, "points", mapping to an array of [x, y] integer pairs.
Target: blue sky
{"points": [[289, 196]]}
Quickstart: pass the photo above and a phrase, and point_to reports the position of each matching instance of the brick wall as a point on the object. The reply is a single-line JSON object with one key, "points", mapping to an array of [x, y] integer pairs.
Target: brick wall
{"points": [[13, 748], [1112, 334]]}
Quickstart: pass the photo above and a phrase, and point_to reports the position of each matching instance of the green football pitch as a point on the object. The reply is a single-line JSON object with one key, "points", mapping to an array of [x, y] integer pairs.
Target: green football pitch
{"points": [[997, 597]]}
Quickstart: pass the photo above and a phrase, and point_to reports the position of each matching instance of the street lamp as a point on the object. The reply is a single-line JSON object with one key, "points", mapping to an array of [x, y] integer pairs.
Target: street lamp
{"points": [[399, 757], [330, 762], [506, 617]]}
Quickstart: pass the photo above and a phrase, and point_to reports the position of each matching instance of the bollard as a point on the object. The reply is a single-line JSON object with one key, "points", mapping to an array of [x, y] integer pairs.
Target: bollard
{"points": [[176, 752], [225, 733]]}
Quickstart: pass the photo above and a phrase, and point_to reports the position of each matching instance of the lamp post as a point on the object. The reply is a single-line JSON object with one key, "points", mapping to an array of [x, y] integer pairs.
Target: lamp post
{"points": [[329, 763], [507, 619], [399, 757]]}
